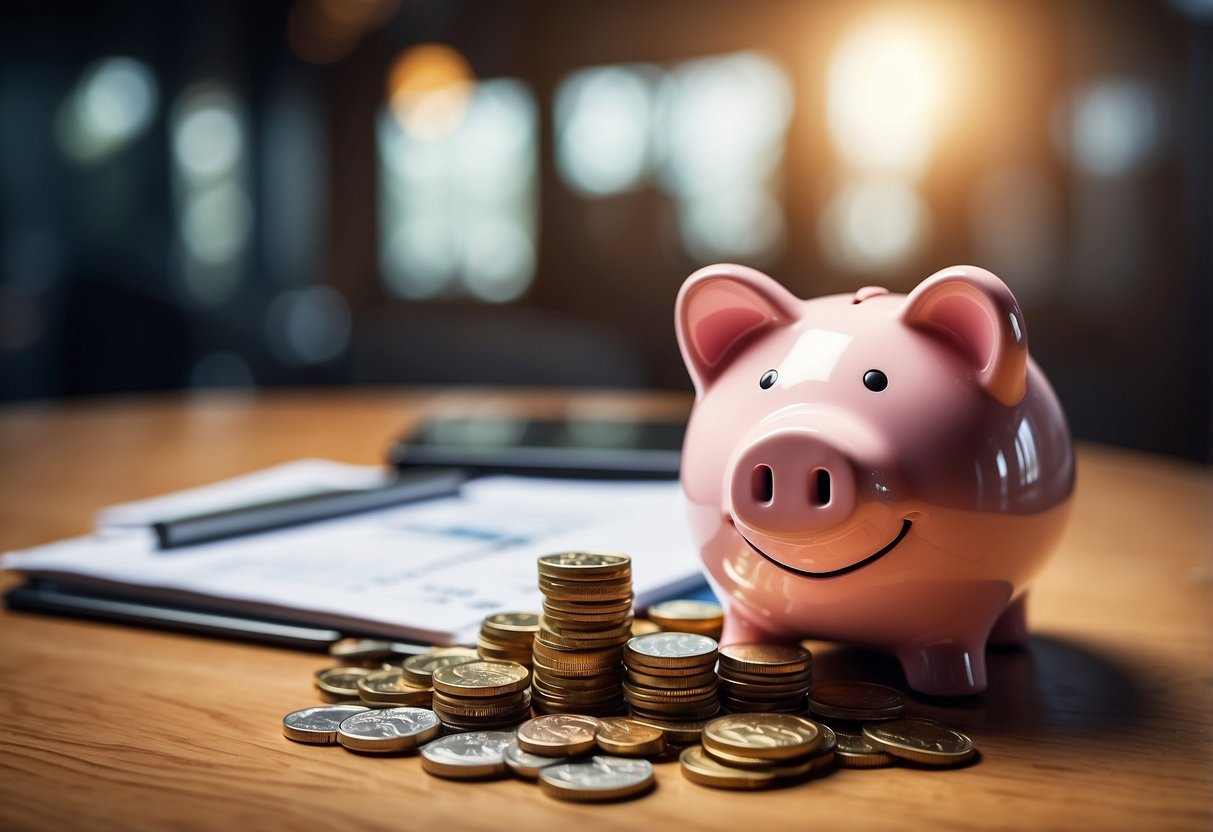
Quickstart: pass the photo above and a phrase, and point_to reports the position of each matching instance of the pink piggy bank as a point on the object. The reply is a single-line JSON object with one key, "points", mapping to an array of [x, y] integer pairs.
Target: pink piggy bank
{"points": [[887, 470]]}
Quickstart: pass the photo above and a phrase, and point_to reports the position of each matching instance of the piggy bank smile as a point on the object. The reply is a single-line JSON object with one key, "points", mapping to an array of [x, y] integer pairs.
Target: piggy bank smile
{"points": [[828, 571]]}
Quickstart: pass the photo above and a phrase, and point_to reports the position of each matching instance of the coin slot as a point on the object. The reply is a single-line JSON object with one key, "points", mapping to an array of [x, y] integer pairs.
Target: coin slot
{"points": [[762, 483], [819, 488]]}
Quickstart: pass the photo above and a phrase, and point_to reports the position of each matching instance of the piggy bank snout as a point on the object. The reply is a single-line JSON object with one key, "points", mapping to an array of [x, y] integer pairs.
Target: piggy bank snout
{"points": [[791, 484]]}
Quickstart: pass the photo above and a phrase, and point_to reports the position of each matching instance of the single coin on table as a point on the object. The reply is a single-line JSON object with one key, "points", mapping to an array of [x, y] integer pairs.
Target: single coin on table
{"points": [[859, 701], [318, 726], [764, 736], [699, 768], [475, 755], [337, 683], [525, 764], [419, 670], [623, 737], [558, 735], [392, 687], [597, 779], [856, 751], [688, 616], [921, 741], [389, 730]]}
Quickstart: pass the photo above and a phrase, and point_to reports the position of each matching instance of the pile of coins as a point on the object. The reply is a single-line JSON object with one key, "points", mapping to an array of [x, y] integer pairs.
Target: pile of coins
{"points": [[688, 616], [872, 730], [587, 618], [509, 636], [482, 695], [671, 682], [758, 751], [765, 677]]}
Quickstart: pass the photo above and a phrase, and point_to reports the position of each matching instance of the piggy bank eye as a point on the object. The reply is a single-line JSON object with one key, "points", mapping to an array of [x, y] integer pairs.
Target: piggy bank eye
{"points": [[875, 380], [768, 379]]}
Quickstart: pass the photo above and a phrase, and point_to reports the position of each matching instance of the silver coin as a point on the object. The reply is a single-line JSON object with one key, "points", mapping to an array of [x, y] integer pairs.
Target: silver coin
{"points": [[599, 778], [473, 754], [672, 645], [389, 729], [318, 725], [525, 764]]}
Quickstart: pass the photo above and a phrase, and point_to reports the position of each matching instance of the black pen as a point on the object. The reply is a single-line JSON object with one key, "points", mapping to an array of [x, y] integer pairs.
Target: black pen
{"points": [[405, 487]]}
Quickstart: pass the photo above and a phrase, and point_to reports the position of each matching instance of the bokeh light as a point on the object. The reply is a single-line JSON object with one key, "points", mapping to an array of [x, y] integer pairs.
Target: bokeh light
{"points": [[429, 89], [873, 225], [113, 103], [886, 95], [308, 326], [603, 119], [1114, 126]]}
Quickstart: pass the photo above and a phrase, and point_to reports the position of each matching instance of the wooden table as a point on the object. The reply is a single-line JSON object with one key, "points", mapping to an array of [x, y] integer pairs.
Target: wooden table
{"points": [[1105, 721]]}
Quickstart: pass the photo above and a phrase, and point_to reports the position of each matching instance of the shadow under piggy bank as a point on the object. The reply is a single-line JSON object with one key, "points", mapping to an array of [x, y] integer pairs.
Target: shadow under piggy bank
{"points": [[1047, 689]]}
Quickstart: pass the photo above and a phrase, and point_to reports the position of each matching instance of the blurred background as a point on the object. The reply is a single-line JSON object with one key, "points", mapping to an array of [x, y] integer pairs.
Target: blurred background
{"points": [[232, 194]]}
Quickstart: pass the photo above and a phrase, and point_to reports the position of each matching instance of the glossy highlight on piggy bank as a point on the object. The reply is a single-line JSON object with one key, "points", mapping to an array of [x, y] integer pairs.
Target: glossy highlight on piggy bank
{"points": [[873, 468]]}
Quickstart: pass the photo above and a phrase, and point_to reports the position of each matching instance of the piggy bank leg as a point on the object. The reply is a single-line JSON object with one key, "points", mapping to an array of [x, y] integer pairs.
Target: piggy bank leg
{"points": [[740, 630], [953, 668], [1011, 629]]}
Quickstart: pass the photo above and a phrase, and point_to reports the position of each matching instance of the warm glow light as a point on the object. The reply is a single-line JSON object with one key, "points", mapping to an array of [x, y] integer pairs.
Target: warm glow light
{"points": [[887, 87], [429, 88]]}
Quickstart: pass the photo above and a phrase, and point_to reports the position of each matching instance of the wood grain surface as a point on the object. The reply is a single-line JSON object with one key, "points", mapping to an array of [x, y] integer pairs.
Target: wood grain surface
{"points": [[1104, 721]]}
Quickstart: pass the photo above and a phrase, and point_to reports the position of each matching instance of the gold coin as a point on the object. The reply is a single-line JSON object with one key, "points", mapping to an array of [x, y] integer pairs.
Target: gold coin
{"points": [[676, 614], [765, 659], [558, 735], [677, 732], [419, 670], [855, 751], [597, 779], [921, 741], [505, 624], [390, 686], [765, 736], [585, 565], [341, 681], [699, 768], [481, 678], [859, 701], [629, 738]]}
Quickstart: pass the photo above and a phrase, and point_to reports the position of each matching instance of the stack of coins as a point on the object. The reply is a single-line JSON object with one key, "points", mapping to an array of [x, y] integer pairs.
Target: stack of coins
{"points": [[392, 688], [671, 678], [754, 751], [340, 684], [765, 677], [587, 618], [509, 636], [481, 695], [687, 616]]}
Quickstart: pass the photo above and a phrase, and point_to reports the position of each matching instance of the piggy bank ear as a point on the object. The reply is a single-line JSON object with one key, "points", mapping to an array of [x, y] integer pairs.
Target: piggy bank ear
{"points": [[976, 312], [722, 307]]}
